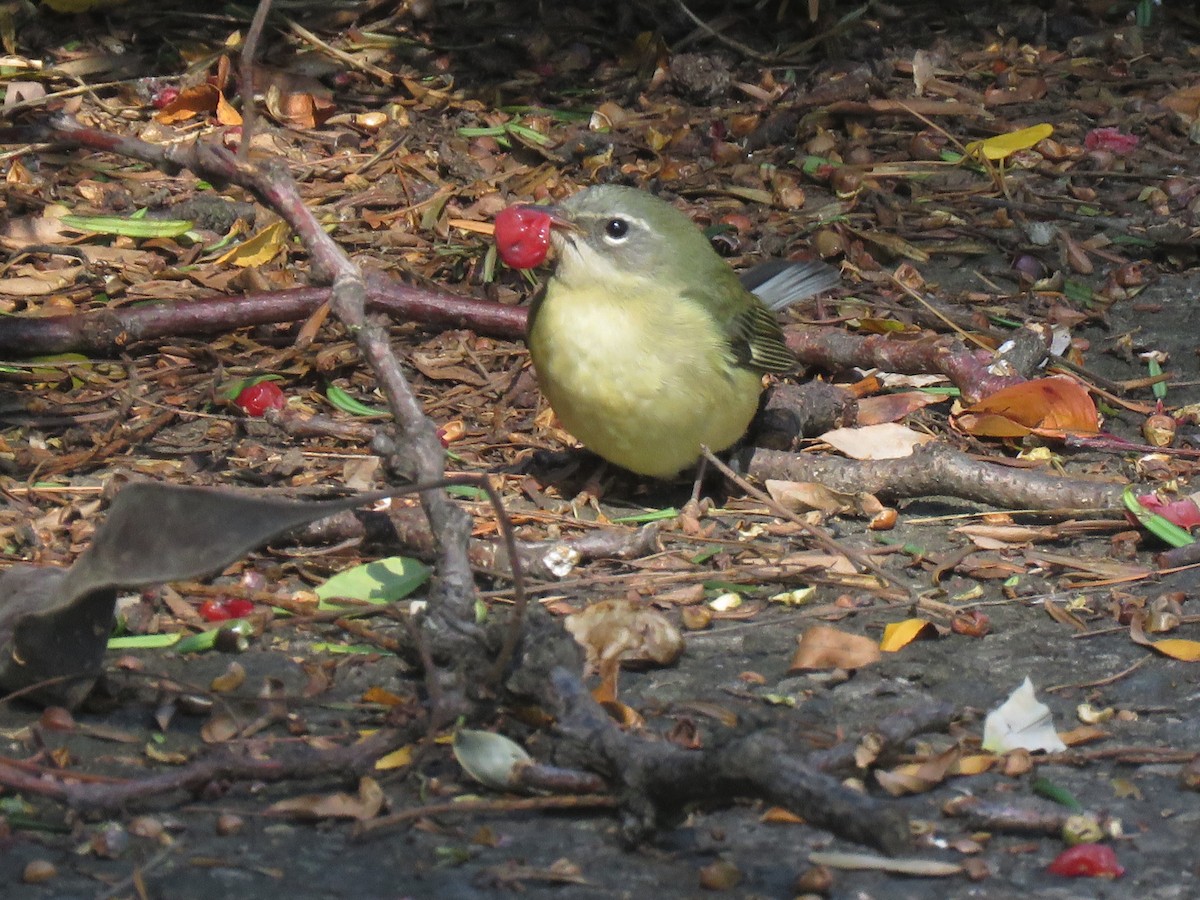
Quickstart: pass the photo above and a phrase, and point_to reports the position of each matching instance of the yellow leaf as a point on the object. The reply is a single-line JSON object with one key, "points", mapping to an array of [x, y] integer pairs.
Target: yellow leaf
{"points": [[1003, 146], [1178, 648], [825, 647], [975, 764], [397, 759], [260, 249], [898, 635]]}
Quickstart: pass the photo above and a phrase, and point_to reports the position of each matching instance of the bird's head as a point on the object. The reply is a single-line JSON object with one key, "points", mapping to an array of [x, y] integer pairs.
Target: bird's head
{"points": [[610, 233]]}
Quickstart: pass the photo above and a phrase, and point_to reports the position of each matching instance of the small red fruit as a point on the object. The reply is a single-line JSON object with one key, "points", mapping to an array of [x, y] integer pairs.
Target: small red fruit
{"points": [[523, 236], [1087, 861], [214, 611], [165, 97], [258, 398], [239, 607], [224, 610]]}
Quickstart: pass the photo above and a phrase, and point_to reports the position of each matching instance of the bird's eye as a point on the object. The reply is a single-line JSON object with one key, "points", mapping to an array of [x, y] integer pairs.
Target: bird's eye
{"points": [[616, 229]]}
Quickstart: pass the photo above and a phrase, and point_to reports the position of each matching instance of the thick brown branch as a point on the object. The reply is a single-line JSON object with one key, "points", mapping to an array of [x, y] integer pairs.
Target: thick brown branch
{"points": [[974, 372], [106, 331], [938, 470]]}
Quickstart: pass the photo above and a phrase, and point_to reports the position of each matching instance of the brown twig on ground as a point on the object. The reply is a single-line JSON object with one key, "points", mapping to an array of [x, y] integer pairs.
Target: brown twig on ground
{"points": [[415, 451], [892, 732], [938, 470], [297, 762], [407, 527], [974, 372], [106, 331], [819, 535], [654, 779]]}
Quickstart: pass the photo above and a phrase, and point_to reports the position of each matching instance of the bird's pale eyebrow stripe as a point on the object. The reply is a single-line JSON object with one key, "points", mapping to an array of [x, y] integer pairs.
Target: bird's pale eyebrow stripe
{"points": [[632, 220]]}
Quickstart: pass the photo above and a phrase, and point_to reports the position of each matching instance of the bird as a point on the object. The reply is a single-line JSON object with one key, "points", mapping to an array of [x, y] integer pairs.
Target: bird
{"points": [[646, 343]]}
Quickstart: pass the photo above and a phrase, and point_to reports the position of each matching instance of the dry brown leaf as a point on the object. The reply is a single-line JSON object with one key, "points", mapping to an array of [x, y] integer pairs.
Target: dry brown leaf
{"points": [[1063, 616], [918, 778], [802, 496], [622, 631], [1176, 648], [885, 441], [893, 407], [824, 647], [1002, 537], [364, 805]]}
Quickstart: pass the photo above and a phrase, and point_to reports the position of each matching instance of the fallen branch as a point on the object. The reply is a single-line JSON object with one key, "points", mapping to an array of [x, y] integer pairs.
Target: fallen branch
{"points": [[938, 470], [298, 762], [106, 331]]}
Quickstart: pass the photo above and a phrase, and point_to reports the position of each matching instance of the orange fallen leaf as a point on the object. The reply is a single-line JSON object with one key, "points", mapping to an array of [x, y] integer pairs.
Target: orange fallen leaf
{"points": [[201, 100], [777, 815], [1049, 407], [898, 635]]}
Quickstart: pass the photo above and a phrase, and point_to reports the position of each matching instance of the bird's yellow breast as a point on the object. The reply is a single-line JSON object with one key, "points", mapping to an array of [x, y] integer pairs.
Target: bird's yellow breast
{"points": [[643, 381]]}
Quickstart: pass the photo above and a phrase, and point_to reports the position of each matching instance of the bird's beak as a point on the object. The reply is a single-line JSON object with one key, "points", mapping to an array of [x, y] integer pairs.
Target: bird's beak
{"points": [[559, 219]]}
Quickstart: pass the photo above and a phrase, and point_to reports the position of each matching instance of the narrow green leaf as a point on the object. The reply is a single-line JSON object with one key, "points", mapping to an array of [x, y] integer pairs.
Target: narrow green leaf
{"points": [[202, 642], [1044, 787], [231, 390], [726, 587], [127, 227], [347, 404], [1163, 529], [466, 492], [656, 515], [1159, 387], [144, 641], [361, 649]]}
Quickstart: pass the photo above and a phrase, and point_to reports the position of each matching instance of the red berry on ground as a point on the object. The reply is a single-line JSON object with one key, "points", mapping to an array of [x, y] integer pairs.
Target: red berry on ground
{"points": [[258, 398], [239, 607], [165, 97], [523, 236], [1087, 861], [214, 611]]}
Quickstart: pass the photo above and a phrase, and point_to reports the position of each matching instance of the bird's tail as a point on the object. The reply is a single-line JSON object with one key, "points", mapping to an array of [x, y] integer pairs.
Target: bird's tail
{"points": [[780, 283]]}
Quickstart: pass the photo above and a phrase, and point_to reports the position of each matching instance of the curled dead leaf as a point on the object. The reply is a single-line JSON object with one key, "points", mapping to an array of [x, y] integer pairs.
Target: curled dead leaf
{"points": [[364, 805], [623, 631]]}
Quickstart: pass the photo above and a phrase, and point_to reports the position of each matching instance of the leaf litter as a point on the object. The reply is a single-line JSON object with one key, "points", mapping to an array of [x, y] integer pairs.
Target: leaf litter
{"points": [[1082, 227]]}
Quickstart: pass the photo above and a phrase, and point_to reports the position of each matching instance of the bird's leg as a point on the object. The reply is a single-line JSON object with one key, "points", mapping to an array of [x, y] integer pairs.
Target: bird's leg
{"points": [[701, 471]]}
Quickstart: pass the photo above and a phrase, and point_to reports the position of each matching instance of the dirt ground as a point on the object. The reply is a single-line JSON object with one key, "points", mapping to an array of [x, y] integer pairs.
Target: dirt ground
{"points": [[1096, 239]]}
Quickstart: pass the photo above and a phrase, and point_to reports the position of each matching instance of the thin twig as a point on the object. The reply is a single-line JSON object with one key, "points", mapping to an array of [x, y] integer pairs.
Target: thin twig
{"points": [[249, 51], [817, 534]]}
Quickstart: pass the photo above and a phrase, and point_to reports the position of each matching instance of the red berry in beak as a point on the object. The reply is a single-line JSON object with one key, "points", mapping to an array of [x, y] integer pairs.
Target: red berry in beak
{"points": [[523, 235]]}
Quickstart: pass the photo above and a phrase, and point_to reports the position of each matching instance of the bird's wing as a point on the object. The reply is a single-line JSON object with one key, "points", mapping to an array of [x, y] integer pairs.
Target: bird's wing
{"points": [[758, 341]]}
